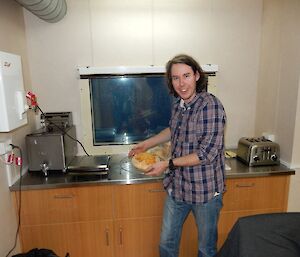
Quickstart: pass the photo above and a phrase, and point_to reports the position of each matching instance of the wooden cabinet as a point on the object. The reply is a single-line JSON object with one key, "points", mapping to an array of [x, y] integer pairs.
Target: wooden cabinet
{"points": [[250, 196], [243, 197], [78, 220], [189, 238], [125, 220], [137, 237], [93, 221], [140, 200], [66, 205], [87, 239], [138, 216]]}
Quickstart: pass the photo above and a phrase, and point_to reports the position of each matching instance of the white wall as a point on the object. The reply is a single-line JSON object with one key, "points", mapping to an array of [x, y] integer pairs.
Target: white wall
{"points": [[12, 40], [294, 203], [279, 74], [278, 100], [289, 78], [288, 124], [145, 32]]}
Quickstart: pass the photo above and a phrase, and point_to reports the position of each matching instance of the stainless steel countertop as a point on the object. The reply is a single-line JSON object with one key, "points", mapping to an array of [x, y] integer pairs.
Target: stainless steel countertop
{"points": [[122, 172]]}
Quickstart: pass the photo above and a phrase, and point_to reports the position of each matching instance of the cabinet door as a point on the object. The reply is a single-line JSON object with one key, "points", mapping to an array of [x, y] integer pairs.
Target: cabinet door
{"points": [[251, 196], [88, 239], [256, 193], [61, 205], [228, 219], [189, 238], [137, 237], [140, 200], [140, 237]]}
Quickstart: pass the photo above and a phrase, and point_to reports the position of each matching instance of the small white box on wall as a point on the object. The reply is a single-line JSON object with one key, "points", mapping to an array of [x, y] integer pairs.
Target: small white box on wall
{"points": [[13, 105], [269, 136]]}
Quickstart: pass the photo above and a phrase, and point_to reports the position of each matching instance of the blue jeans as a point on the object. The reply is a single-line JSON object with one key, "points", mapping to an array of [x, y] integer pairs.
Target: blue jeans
{"points": [[206, 216]]}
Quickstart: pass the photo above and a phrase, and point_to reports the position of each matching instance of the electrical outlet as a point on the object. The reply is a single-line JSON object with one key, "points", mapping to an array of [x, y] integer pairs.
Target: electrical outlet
{"points": [[12, 170], [13, 173], [5, 146], [2, 148]]}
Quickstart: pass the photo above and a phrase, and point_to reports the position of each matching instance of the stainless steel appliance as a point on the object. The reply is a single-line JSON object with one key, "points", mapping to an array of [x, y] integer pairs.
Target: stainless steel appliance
{"points": [[52, 120], [51, 150], [258, 151], [92, 164]]}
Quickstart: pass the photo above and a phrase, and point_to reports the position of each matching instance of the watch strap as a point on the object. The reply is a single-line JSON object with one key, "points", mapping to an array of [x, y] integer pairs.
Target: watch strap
{"points": [[171, 165]]}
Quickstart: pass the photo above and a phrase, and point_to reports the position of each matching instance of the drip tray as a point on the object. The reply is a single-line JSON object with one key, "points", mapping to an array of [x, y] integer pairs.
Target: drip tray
{"points": [[93, 164]]}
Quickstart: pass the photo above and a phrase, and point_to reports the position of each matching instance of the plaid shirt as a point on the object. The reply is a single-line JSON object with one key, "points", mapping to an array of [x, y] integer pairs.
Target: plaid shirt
{"points": [[197, 128]]}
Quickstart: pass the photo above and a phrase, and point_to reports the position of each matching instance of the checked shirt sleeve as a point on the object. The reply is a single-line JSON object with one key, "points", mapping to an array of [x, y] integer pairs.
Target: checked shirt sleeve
{"points": [[211, 126]]}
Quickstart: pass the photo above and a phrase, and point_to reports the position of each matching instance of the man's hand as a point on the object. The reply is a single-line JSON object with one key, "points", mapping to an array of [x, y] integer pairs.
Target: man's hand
{"points": [[157, 169], [138, 148]]}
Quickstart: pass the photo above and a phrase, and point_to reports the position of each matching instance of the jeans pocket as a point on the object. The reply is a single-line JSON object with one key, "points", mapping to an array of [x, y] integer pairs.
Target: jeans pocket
{"points": [[219, 200]]}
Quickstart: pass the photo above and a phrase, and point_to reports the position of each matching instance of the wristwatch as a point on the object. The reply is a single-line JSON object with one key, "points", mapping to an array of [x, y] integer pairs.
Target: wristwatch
{"points": [[171, 165]]}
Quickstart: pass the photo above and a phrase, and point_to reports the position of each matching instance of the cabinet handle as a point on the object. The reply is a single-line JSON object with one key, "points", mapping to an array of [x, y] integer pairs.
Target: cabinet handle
{"points": [[156, 190], [64, 196], [107, 236], [245, 185], [120, 236]]}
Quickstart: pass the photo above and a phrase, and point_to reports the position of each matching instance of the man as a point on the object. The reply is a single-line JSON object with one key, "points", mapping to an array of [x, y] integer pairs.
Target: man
{"points": [[194, 176]]}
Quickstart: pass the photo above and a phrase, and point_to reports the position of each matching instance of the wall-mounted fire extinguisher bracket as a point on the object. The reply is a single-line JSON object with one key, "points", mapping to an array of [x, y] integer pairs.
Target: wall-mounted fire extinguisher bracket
{"points": [[32, 101]]}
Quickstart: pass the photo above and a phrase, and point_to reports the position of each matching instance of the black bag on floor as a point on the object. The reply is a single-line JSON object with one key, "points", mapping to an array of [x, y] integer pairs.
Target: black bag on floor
{"points": [[38, 253]]}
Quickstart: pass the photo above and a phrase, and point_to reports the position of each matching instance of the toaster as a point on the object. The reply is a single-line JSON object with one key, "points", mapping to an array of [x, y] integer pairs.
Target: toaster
{"points": [[257, 151]]}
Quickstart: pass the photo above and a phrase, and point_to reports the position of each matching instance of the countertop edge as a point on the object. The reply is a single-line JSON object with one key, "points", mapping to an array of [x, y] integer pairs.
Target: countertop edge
{"points": [[16, 186], [119, 176]]}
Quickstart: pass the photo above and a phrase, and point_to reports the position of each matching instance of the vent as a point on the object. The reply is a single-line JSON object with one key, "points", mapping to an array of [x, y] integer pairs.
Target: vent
{"points": [[48, 10]]}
